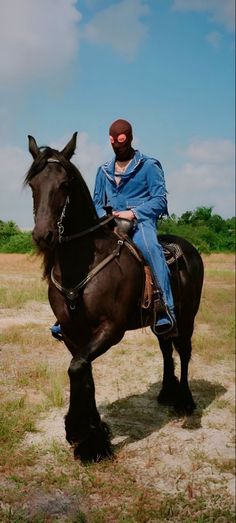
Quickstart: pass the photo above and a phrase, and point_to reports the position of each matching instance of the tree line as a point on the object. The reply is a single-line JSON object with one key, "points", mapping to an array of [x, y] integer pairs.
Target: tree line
{"points": [[207, 231]]}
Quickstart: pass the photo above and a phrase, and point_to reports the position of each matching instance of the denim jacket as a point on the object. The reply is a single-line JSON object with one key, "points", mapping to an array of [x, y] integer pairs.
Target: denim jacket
{"points": [[141, 189]]}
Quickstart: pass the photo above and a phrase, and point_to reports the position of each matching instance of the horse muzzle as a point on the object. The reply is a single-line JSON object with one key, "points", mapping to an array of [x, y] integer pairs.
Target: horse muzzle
{"points": [[44, 240]]}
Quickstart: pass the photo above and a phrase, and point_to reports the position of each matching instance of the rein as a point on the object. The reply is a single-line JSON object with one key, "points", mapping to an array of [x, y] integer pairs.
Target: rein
{"points": [[63, 239]]}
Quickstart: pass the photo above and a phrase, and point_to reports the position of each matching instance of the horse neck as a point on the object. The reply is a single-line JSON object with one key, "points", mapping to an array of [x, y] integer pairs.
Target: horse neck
{"points": [[74, 257], [80, 214]]}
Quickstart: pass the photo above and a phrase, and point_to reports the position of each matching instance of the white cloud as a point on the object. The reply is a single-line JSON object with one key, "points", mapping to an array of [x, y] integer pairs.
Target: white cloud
{"points": [[37, 39], [206, 178], [88, 156], [120, 25], [214, 38], [40, 39], [222, 11], [211, 151], [15, 201]]}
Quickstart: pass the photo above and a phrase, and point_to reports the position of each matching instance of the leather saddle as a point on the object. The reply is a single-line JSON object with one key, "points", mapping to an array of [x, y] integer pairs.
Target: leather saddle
{"points": [[152, 294], [172, 251]]}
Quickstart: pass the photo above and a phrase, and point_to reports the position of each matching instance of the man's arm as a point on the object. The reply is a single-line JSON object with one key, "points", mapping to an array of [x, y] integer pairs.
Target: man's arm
{"points": [[156, 205], [99, 195]]}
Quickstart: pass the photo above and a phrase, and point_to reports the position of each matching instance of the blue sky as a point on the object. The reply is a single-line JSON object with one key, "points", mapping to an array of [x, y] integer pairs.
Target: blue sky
{"points": [[167, 66]]}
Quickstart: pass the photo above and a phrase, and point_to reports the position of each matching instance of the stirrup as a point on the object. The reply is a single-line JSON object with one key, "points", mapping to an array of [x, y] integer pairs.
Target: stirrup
{"points": [[166, 330]]}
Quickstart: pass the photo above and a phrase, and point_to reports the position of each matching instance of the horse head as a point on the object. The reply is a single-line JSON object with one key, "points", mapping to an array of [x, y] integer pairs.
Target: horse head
{"points": [[50, 178]]}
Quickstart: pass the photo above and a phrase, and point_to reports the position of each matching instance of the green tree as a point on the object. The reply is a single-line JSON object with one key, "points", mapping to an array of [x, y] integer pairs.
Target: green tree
{"points": [[12, 239], [201, 215], [207, 231]]}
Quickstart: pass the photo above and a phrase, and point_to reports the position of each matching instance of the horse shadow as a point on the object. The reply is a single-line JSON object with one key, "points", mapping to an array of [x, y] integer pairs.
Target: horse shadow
{"points": [[135, 417]]}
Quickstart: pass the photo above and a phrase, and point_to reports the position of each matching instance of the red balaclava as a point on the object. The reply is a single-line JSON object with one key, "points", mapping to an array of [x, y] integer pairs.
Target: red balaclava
{"points": [[121, 137]]}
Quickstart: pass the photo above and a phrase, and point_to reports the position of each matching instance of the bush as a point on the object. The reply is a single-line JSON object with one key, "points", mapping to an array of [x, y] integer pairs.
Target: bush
{"points": [[12, 239], [21, 243], [208, 232]]}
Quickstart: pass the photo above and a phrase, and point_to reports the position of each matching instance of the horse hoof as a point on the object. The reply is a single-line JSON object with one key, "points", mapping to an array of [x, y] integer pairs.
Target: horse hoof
{"points": [[96, 447], [88, 455], [185, 408]]}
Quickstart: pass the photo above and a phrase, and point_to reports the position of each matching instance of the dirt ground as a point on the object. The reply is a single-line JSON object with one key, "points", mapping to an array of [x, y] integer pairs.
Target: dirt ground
{"points": [[169, 454]]}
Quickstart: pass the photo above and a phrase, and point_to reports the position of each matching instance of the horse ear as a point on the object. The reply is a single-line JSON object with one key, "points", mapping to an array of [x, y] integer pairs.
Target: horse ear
{"points": [[69, 149], [33, 148]]}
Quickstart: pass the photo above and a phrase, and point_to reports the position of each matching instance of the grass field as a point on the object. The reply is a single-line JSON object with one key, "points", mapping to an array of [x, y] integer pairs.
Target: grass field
{"points": [[166, 468]]}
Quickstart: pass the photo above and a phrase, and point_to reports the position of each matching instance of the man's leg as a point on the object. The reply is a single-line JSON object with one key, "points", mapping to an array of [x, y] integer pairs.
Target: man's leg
{"points": [[146, 239]]}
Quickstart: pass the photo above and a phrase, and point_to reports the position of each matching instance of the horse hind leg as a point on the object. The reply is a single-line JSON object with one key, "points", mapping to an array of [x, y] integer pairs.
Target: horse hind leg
{"points": [[184, 401], [85, 431], [170, 383]]}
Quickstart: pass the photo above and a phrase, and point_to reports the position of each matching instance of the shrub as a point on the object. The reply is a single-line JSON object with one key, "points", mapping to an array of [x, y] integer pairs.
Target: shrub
{"points": [[12, 239], [208, 232]]}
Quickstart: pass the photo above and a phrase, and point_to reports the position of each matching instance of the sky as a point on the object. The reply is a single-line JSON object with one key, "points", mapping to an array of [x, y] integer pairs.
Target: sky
{"points": [[167, 66]]}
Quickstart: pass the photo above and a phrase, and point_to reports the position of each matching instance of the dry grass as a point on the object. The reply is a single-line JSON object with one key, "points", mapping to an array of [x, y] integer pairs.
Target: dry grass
{"points": [[166, 469], [19, 264]]}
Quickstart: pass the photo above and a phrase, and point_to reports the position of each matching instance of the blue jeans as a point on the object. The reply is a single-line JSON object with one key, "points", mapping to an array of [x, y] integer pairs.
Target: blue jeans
{"points": [[145, 237]]}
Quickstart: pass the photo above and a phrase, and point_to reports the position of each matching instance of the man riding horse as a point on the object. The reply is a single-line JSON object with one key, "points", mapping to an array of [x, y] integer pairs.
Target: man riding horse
{"points": [[96, 283], [132, 185]]}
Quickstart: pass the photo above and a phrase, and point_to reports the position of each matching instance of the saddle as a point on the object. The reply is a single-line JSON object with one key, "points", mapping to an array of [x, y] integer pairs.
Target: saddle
{"points": [[172, 251], [152, 294]]}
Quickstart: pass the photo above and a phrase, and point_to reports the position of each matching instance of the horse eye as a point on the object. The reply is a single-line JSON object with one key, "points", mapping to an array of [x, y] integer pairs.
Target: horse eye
{"points": [[64, 185]]}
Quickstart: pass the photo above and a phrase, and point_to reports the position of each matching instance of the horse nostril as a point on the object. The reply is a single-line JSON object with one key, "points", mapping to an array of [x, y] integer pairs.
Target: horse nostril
{"points": [[42, 240]]}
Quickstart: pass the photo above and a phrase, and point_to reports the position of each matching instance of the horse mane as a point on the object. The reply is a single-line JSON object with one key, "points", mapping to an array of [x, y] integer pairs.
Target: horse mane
{"points": [[79, 184]]}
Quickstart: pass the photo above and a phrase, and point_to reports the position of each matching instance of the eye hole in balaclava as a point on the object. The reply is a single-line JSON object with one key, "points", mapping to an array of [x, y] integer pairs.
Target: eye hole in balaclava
{"points": [[121, 137]]}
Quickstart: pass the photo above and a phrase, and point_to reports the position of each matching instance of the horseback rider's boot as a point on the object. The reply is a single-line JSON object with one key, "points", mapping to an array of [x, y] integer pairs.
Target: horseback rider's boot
{"points": [[56, 331], [164, 319]]}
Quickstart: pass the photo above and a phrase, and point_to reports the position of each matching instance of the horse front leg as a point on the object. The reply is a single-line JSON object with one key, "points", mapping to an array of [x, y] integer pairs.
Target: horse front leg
{"points": [[170, 383], [85, 430], [184, 401], [89, 436]]}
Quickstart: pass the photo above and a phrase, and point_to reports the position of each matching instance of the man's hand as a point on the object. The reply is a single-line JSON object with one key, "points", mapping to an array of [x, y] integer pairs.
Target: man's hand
{"points": [[127, 215]]}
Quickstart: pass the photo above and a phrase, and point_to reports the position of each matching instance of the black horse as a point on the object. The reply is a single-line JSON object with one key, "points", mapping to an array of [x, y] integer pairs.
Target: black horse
{"points": [[95, 285]]}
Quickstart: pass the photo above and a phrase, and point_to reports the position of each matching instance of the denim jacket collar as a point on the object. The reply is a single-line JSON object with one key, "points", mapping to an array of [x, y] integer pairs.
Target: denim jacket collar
{"points": [[109, 167]]}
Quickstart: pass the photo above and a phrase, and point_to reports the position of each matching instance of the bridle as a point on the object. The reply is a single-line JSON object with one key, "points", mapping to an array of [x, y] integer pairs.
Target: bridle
{"points": [[60, 226]]}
